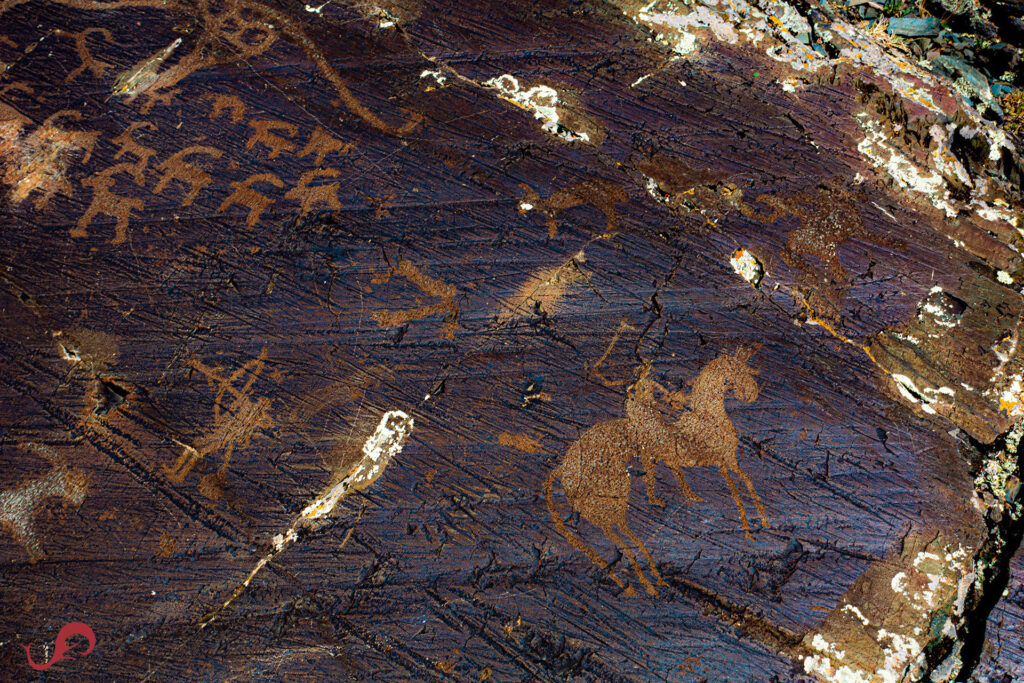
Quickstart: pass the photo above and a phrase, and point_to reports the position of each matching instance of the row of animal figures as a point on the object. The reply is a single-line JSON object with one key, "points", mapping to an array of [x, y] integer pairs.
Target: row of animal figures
{"points": [[594, 475]]}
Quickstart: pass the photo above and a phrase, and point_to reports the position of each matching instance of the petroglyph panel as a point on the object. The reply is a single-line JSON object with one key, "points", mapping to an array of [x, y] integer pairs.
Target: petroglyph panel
{"points": [[343, 358]]}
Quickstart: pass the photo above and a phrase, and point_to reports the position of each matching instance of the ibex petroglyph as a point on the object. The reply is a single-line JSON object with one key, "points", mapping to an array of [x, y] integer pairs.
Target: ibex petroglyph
{"points": [[594, 472]]}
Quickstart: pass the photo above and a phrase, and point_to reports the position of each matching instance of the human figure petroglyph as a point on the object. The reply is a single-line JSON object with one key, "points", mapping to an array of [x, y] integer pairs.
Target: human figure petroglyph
{"points": [[177, 168], [262, 135], [128, 145], [244, 195], [95, 66], [310, 196], [594, 475], [19, 506], [234, 421], [321, 143], [107, 203], [601, 194], [442, 291]]}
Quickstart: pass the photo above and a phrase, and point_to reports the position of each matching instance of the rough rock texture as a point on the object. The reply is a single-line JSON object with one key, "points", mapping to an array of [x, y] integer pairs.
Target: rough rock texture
{"points": [[607, 341]]}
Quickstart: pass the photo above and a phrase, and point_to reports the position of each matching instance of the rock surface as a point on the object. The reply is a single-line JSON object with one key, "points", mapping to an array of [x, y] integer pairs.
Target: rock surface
{"points": [[505, 341]]}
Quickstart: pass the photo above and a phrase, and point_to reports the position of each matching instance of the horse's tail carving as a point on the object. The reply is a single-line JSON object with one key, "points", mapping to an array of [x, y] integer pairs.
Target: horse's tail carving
{"points": [[572, 538]]}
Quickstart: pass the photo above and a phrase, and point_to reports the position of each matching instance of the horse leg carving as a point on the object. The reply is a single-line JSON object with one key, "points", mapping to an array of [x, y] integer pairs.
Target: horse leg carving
{"points": [[739, 503], [649, 466], [630, 555], [684, 487], [753, 494], [643, 549], [573, 540]]}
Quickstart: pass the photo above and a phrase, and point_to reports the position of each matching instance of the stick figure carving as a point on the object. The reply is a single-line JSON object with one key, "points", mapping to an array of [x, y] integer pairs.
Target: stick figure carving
{"points": [[594, 475], [234, 422]]}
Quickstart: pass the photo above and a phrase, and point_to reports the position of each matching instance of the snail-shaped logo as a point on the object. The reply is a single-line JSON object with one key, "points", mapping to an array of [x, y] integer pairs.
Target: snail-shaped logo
{"points": [[62, 648]]}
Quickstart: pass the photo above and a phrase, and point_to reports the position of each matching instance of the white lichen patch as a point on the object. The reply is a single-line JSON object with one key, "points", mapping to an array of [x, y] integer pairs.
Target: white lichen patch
{"points": [[139, 77], [927, 398], [881, 640], [438, 77], [540, 100], [1004, 277], [876, 148], [747, 266]]}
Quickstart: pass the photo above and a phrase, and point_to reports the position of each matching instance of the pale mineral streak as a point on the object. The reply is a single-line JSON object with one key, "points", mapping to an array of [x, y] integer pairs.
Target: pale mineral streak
{"points": [[379, 448]]}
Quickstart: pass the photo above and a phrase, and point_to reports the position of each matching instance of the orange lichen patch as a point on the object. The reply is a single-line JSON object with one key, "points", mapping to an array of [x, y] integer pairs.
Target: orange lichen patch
{"points": [[519, 442], [544, 290], [39, 161], [444, 292]]}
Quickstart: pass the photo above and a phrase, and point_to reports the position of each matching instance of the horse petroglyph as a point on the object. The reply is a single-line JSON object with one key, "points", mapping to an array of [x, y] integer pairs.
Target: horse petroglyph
{"points": [[594, 475]]}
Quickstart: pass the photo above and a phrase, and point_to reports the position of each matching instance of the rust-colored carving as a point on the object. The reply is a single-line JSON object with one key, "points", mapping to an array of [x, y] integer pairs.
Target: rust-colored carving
{"points": [[601, 194], [235, 420], [106, 202], [235, 30], [310, 196], [321, 143], [275, 143], [226, 103], [594, 474], [128, 145], [244, 195], [176, 168], [162, 98], [444, 292], [95, 66], [828, 218], [18, 506]]}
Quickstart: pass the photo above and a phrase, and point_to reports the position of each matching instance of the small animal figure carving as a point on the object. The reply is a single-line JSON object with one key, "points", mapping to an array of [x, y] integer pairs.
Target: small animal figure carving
{"points": [[828, 218], [594, 475], [128, 145], [19, 506], [105, 202], [244, 195], [321, 143], [226, 103], [309, 196], [176, 168], [234, 422], [272, 141], [601, 194], [444, 292]]}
